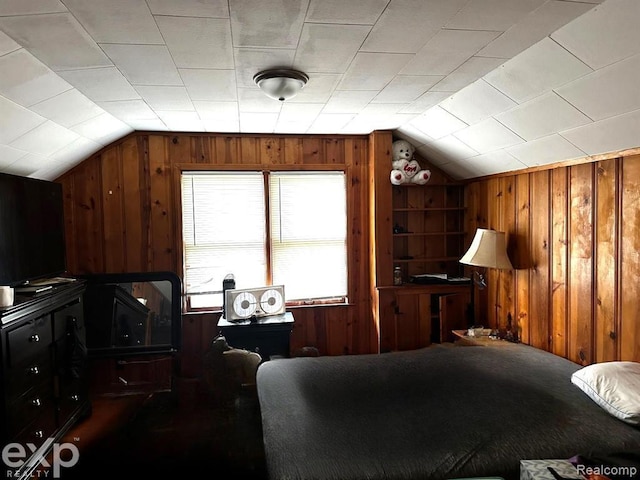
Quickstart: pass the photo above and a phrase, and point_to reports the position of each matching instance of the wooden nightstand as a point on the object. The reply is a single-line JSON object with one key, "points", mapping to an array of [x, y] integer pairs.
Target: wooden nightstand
{"points": [[463, 339]]}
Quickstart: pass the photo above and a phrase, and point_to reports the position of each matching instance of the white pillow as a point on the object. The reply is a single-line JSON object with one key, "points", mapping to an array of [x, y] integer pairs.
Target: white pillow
{"points": [[615, 386]]}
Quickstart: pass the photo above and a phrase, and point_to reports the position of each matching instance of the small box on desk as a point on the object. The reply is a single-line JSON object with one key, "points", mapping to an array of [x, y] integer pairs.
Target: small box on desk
{"points": [[539, 470]]}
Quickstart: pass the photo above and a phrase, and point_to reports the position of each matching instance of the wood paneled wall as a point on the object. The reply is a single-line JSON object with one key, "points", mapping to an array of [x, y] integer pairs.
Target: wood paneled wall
{"points": [[574, 240], [122, 214]]}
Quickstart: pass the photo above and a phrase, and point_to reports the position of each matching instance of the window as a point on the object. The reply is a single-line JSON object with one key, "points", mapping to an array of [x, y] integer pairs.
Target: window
{"points": [[265, 228]]}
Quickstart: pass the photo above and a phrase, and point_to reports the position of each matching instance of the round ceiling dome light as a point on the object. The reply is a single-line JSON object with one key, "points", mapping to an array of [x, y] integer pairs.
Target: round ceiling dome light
{"points": [[281, 84]]}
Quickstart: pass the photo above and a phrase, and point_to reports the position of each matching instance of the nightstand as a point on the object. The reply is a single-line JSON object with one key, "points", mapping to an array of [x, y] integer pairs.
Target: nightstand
{"points": [[463, 339], [268, 336]]}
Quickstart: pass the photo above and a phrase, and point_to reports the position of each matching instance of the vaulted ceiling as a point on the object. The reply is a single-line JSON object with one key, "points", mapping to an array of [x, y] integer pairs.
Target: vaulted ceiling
{"points": [[478, 86]]}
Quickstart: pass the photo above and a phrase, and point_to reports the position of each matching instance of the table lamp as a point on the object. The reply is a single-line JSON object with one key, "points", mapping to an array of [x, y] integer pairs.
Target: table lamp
{"points": [[488, 250]]}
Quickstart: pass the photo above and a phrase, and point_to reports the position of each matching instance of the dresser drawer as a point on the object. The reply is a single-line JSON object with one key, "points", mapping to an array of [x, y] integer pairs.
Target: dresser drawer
{"points": [[28, 375], [73, 395], [65, 319], [38, 430], [30, 340], [25, 409]]}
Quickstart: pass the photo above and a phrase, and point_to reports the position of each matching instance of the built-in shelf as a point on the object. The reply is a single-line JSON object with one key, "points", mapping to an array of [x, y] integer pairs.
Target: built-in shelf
{"points": [[426, 234], [429, 209]]}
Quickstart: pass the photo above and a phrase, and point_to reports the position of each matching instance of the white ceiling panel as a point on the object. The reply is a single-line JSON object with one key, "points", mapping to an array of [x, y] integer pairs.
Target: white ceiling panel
{"points": [[406, 25], [217, 111], [494, 162], [533, 27], [549, 149], [349, 101], [181, 121], [129, 110], [7, 44], [455, 76], [452, 147], [57, 40], [592, 95], [604, 35], [268, 23], [30, 7], [362, 12], [204, 84], [253, 100], [467, 73], [9, 155], [101, 84], [372, 71], [258, 122], [46, 139], [610, 135], [498, 15], [198, 42], [27, 165], [446, 51], [68, 109], [542, 116], [406, 88], [487, 136], [102, 129], [329, 48], [476, 102], [543, 67], [250, 61], [27, 81], [166, 98], [318, 89], [437, 123], [15, 121], [425, 102], [144, 64], [116, 21], [190, 8], [328, 122]]}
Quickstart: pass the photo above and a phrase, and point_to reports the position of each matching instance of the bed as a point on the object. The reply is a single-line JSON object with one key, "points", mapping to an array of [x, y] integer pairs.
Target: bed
{"points": [[435, 413]]}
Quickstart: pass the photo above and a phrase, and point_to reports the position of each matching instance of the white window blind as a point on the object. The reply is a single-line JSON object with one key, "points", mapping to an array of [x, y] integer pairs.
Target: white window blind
{"points": [[308, 234], [224, 229], [224, 232]]}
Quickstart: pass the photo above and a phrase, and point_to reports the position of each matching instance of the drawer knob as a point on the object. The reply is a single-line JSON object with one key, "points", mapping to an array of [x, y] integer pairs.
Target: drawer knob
{"points": [[39, 433], [34, 370], [34, 338], [36, 402], [74, 397]]}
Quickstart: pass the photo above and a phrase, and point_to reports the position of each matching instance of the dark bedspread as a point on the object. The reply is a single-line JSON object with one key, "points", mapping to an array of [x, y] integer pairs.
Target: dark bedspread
{"points": [[436, 413]]}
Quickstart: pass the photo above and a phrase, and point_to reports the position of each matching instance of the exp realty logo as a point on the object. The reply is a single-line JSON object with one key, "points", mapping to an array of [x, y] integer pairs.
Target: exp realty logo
{"points": [[14, 456]]}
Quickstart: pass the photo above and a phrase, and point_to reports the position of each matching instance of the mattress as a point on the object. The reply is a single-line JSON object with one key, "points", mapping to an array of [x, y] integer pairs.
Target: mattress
{"points": [[435, 413]]}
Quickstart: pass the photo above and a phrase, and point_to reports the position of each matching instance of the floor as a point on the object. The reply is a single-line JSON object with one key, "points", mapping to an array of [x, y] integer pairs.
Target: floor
{"points": [[171, 435]]}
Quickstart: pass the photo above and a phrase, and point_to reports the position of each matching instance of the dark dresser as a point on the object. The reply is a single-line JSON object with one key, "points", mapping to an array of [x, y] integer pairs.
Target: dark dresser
{"points": [[43, 372]]}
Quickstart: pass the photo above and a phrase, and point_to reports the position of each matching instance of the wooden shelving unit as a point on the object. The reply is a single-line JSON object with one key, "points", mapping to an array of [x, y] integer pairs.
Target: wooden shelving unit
{"points": [[421, 229]]}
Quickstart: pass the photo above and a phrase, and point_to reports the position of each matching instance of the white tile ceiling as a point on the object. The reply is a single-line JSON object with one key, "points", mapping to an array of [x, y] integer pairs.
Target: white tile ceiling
{"points": [[478, 86]]}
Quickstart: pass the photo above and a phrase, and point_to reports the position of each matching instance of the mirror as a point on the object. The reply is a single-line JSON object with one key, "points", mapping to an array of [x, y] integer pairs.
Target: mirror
{"points": [[128, 313]]}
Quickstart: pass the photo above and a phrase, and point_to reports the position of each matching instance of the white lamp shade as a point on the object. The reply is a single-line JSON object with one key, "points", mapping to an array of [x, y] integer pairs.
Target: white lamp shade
{"points": [[488, 249]]}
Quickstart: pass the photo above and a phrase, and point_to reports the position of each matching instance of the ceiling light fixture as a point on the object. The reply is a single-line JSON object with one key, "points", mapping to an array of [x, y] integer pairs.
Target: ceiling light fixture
{"points": [[281, 84]]}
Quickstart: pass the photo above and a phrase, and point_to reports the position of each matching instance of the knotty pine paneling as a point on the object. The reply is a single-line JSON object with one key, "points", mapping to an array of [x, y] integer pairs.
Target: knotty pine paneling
{"points": [[122, 212], [574, 243]]}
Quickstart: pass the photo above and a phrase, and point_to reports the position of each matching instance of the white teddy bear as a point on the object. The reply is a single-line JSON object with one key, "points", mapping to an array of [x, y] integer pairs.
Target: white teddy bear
{"points": [[405, 168]]}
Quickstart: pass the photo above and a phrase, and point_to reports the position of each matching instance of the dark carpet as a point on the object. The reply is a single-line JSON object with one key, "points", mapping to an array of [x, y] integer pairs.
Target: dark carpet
{"points": [[166, 439]]}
